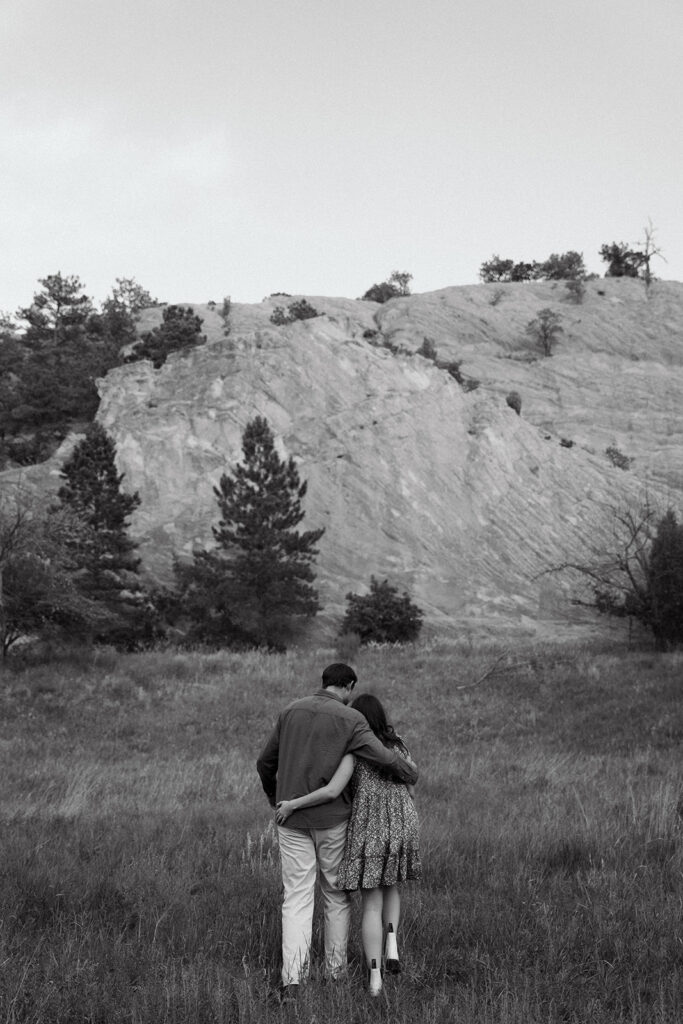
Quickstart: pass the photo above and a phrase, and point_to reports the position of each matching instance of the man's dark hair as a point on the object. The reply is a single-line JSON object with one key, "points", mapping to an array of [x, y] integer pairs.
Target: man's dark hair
{"points": [[339, 675]]}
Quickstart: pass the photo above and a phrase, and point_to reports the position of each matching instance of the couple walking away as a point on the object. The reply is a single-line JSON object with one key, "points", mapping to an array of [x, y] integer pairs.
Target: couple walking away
{"points": [[340, 780]]}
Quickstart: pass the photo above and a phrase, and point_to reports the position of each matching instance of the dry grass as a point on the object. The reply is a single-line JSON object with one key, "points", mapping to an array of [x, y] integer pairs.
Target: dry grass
{"points": [[139, 874]]}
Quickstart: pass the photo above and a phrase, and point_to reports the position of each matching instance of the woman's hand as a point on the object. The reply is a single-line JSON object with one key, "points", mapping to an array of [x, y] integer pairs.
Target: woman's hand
{"points": [[283, 809]]}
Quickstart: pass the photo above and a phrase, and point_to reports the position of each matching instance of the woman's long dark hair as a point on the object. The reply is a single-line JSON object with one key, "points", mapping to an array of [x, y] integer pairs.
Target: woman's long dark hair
{"points": [[376, 716]]}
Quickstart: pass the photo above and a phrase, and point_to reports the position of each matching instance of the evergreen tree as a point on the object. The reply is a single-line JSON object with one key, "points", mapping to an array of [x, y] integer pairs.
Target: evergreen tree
{"points": [[65, 348], [128, 296], [622, 261], [666, 582], [92, 490], [58, 312], [259, 580], [179, 330]]}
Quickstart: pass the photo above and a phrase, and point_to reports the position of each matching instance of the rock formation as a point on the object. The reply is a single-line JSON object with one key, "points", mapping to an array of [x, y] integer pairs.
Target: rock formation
{"points": [[448, 493]]}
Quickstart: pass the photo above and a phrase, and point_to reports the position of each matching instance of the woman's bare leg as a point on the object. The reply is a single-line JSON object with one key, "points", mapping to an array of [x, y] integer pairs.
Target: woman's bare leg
{"points": [[371, 925], [390, 916], [391, 909]]}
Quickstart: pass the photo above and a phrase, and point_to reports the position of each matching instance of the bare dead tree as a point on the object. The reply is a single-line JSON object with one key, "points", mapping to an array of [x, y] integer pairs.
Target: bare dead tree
{"points": [[619, 582], [649, 250]]}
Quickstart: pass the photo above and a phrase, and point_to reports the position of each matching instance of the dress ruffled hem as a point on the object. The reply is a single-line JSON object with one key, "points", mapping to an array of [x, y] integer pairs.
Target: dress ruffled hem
{"points": [[370, 872]]}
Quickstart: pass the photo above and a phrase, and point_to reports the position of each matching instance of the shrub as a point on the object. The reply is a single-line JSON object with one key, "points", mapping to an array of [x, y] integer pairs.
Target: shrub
{"points": [[299, 310], [381, 292], [514, 400], [576, 290], [302, 310], [428, 349], [453, 368], [396, 285], [617, 458], [279, 317], [382, 616]]}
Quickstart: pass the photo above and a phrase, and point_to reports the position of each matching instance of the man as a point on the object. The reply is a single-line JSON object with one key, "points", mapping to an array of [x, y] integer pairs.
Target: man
{"points": [[302, 753]]}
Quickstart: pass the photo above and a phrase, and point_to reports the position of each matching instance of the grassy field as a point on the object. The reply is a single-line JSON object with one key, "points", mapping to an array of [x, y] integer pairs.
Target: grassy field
{"points": [[138, 861]]}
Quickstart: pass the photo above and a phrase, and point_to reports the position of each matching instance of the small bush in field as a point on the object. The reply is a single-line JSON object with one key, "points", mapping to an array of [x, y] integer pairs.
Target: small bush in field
{"points": [[382, 616]]}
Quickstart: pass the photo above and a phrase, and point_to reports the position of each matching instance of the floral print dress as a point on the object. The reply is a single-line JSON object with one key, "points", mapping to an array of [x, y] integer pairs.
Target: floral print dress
{"points": [[382, 840]]}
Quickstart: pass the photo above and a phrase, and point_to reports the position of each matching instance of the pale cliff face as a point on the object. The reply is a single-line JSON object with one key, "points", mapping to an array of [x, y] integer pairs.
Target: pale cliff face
{"points": [[449, 494]]}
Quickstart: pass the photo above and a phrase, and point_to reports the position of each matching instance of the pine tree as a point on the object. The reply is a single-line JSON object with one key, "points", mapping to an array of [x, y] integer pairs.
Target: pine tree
{"points": [[180, 330], [65, 348], [666, 582], [259, 580], [92, 490], [58, 312]]}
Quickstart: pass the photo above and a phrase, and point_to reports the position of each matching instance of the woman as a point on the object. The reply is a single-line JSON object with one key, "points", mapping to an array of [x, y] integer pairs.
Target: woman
{"points": [[382, 841]]}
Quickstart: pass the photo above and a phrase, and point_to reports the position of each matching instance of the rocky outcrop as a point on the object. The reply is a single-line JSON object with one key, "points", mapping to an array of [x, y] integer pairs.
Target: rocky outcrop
{"points": [[448, 493]]}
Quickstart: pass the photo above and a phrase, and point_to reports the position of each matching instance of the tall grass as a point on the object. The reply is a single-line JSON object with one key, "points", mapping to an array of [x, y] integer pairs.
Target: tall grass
{"points": [[139, 876]]}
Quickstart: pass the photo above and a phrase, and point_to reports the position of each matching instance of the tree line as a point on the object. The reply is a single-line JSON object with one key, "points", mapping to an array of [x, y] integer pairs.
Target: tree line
{"points": [[54, 351], [71, 571], [622, 259]]}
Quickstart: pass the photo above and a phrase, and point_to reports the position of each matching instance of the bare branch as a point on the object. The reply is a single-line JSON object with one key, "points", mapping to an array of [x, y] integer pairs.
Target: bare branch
{"points": [[490, 671]]}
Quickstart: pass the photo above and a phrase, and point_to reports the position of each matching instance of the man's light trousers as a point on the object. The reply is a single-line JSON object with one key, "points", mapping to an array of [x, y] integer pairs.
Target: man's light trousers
{"points": [[302, 851]]}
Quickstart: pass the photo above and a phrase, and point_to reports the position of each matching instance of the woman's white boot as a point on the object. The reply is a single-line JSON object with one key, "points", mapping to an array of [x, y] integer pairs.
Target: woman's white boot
{"points": [[375, 984], [391, 964]]}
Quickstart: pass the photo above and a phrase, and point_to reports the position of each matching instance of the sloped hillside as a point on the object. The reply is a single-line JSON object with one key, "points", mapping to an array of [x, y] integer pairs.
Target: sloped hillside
{"points": [[448, 493]]}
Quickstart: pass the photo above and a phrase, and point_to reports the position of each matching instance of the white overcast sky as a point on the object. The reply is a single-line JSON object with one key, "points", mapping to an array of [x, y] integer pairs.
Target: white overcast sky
{"points": [[211, 148]]}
